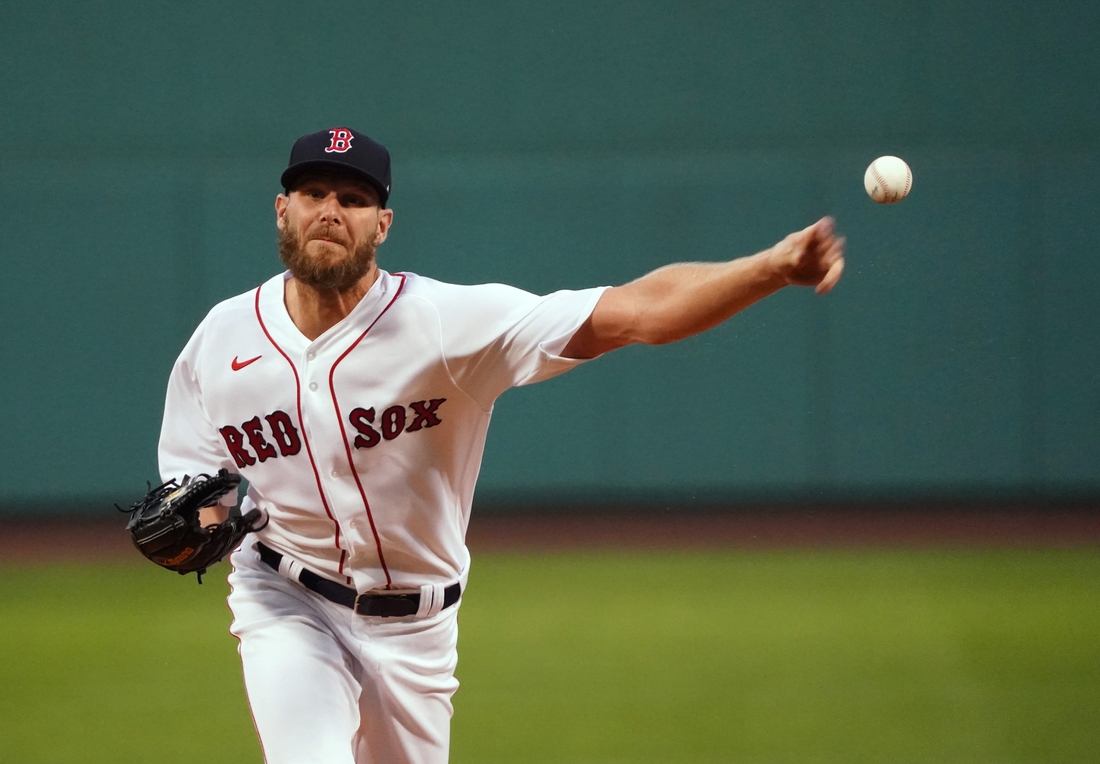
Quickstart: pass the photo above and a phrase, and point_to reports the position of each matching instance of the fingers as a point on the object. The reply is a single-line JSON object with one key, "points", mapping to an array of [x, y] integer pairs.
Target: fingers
{"points": [[819, 239], [817, 249], [822, 229], [832, 259], [834, 251], [831, 256], [831, 277]]}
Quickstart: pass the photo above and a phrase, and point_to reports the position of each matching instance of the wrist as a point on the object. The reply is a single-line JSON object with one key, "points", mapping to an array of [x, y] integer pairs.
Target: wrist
{"points": [[776, 266]]}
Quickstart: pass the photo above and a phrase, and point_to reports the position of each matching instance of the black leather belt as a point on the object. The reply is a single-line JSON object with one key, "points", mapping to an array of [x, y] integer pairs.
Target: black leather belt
{"points": [[368, 603]]}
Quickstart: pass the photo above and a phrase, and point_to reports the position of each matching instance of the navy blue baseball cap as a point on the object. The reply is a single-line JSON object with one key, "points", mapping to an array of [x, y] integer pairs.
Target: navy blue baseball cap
{"points": [[343, 150]]}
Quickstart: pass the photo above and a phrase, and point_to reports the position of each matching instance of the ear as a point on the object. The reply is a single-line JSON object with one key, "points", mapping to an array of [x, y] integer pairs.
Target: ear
{"points": [[281, 202], [385, 220]]}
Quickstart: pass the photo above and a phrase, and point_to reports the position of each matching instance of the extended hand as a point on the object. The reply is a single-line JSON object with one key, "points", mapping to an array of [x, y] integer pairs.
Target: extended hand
{"points": [[813, 256]]}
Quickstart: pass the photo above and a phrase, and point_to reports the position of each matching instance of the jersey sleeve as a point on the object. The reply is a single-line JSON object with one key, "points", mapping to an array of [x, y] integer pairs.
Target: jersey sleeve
{"points": [[505, 337], [189, 443]]}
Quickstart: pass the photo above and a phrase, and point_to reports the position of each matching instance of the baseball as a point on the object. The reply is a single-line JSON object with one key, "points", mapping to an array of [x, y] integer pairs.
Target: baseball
{"points": [[888, 180]]}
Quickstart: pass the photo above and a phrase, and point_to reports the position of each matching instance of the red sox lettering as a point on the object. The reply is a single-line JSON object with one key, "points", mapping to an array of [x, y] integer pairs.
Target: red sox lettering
{"points": [[248, 442], [283, 431], [392, 422]]}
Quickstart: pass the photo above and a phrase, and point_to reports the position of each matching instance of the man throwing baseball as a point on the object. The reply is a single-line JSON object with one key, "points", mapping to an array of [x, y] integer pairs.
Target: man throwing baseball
{"points": [[356, 402]]}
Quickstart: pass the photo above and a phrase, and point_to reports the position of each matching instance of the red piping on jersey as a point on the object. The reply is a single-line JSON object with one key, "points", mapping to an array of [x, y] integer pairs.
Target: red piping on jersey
{"points": [[305, 438], [344, 432]]}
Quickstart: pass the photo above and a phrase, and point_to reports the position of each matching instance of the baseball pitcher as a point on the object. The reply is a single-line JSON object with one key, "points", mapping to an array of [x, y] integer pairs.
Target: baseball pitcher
{"points": [[355, 402]]}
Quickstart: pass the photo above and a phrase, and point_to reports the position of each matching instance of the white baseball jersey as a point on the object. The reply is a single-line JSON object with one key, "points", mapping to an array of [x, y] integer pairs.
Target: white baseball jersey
{"points": [[364, 445]]}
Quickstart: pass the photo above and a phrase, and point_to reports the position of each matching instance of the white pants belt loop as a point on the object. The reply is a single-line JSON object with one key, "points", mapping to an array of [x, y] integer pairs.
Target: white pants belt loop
{"points": [[431, 600], [290, 568]]}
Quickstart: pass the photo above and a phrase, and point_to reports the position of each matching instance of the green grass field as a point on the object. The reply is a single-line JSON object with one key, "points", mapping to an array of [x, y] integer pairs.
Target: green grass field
{"points": [[919, 656]]}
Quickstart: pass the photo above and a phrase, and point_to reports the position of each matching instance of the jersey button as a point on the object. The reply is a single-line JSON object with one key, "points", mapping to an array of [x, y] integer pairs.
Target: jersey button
{"points": [[312, 385], [336, 473], [311, 355]]}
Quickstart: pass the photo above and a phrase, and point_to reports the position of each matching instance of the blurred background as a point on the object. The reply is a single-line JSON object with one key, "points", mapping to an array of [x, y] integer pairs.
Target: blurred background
{"points": [[564, 145], [571, 144]]}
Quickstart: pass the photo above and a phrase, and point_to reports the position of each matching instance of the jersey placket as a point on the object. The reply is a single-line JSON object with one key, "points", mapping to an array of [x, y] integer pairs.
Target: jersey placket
{"points": [[323, 420], [318, 416], [284, 341], [352, 472]]}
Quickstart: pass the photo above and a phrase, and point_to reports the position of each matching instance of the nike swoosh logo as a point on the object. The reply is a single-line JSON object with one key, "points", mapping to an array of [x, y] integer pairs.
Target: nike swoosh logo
{"points": [[238, 365]]}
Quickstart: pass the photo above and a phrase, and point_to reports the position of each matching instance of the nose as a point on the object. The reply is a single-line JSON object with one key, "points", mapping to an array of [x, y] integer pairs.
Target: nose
{"points": [[330, 209]]}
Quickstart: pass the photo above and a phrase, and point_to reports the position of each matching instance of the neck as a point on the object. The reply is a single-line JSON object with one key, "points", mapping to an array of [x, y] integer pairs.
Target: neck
{"points": [[315, 311]]}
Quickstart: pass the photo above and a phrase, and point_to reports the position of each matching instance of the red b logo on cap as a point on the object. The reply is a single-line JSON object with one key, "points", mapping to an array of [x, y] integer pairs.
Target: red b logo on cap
{"points": [[341, 141]]}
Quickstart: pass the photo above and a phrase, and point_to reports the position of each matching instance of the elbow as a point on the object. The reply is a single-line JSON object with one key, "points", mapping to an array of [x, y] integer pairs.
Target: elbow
{"points": [[639, 321], [656, 327], [662, 338], [650, 331]]}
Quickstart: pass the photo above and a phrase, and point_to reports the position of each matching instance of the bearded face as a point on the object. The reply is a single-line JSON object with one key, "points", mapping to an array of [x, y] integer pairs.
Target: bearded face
{"points": [[323, 257]]}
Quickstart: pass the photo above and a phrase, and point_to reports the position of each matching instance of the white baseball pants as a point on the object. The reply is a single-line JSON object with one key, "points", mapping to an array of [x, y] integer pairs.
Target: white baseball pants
{"points": [[327, 686]]}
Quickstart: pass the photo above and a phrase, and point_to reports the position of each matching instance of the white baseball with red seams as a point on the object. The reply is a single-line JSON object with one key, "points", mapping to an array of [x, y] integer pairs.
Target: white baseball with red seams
{"points": [[888, 179], [363, 447]]}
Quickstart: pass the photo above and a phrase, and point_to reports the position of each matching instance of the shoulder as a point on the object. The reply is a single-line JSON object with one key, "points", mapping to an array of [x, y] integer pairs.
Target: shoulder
{"points": [[228, 318], [491, 304], [229, 313], [467, 298]]}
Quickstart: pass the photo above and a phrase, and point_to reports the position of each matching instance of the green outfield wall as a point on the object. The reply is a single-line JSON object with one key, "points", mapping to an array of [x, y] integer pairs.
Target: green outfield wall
{"points": [[571, 144]]}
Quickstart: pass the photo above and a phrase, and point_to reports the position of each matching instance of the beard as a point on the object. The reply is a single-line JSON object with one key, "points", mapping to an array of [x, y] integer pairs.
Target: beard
{"points": [[320, 272]]}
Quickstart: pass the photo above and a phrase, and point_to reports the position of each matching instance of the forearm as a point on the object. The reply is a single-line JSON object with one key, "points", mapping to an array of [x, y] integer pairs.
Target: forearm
{"points": [[684, 299], [677, 301]]}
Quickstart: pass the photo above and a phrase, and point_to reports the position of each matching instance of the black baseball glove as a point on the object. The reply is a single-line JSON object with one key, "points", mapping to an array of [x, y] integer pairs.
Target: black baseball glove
{"points": [[165, 524]]}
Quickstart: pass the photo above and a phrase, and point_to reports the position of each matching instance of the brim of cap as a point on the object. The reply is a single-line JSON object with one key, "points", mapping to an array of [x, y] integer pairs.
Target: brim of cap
{"points": [[291, 174]]}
